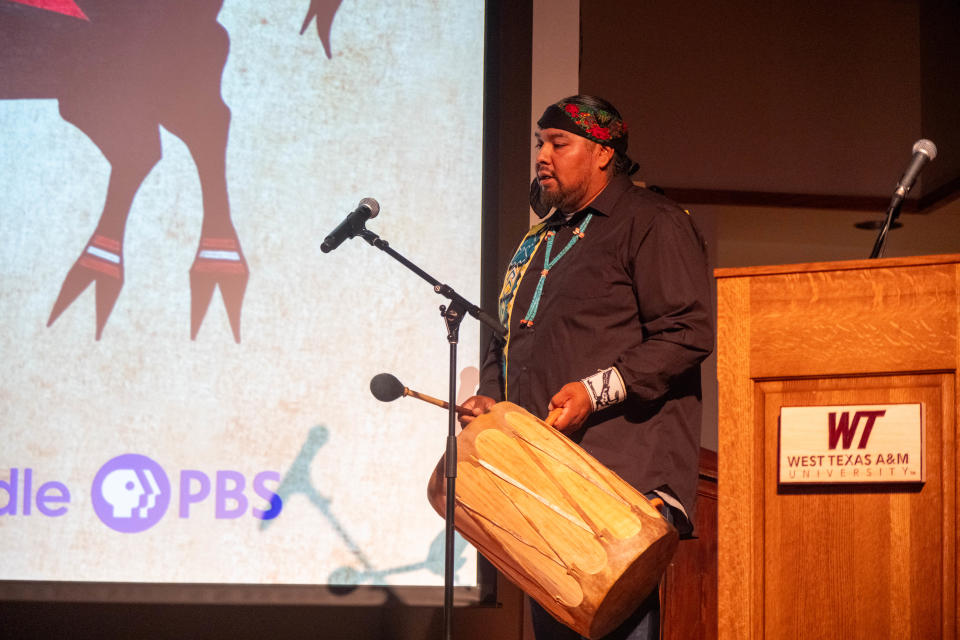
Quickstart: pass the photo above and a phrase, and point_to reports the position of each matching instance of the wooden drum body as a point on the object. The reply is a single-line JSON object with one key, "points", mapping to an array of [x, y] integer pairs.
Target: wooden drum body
{"points": [[565, 529]]}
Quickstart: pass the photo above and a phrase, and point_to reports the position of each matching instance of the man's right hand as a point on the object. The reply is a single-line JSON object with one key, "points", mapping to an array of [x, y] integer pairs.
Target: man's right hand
{"points": [[479, 405]]}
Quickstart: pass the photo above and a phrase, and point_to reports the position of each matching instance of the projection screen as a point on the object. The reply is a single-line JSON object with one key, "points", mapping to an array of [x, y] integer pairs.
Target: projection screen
{"points": [[185, 389]]}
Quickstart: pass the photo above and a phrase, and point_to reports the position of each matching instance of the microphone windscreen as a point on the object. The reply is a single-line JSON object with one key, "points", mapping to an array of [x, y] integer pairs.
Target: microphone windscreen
{"points": [[386, 387], [371, 204], [926, 147]]}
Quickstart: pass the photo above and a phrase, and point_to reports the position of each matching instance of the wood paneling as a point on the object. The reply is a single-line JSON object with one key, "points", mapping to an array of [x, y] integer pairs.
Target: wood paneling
{"points": [[859, 555], [736, 549], [856, 321], [689, 589], [860, 561]]}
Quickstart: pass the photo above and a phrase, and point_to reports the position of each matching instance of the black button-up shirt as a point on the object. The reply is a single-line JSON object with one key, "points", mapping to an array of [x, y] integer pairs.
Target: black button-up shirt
{"points": [[633, 293]]}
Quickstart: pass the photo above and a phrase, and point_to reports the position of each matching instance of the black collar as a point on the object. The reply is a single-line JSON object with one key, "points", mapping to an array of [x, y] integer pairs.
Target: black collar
{"points": [[602, 204]]}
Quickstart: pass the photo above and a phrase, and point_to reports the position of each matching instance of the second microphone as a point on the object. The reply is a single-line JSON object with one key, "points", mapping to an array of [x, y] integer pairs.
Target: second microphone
{"points": [[351, 225]]}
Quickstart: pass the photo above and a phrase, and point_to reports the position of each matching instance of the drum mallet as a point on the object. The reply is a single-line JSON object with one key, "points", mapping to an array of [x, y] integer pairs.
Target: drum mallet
{"points": [[387, 388]]}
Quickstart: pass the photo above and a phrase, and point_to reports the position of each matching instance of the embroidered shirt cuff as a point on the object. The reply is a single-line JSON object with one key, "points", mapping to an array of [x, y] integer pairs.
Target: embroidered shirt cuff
{"points": [[605, 388]]}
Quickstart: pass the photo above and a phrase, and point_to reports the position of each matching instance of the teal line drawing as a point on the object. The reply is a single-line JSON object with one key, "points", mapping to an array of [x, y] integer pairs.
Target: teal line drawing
{"points": [[297, 481], [434, 563]]}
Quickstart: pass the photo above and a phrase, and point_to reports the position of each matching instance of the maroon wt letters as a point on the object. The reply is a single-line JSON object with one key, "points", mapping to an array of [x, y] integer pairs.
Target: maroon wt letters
{"points": [[846, 430]]}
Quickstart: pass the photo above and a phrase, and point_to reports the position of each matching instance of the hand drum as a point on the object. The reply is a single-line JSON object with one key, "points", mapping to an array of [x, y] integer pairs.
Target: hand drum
{"points": [[565, 529]]}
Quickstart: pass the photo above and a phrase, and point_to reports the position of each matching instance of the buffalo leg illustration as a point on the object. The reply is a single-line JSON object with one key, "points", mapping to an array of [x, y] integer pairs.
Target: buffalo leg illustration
{"points": [[131, 144], [119, 71], [203, 123], [323, 11], [219, 259]]}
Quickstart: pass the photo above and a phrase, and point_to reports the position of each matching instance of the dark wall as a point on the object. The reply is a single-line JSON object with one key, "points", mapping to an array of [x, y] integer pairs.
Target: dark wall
{"points": [[940, 70], [789, 97], [506, 144]]}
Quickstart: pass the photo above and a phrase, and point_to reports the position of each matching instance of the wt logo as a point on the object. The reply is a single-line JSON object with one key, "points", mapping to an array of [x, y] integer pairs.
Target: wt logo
{"points": [[843, 429], [130, 493]]}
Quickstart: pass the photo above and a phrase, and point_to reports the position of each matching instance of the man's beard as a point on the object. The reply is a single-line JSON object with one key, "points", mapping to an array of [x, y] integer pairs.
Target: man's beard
{"points": [[555, 198], [551, 199]]}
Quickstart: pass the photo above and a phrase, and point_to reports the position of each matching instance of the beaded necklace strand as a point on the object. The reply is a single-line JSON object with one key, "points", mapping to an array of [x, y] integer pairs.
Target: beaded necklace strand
{"points": [[548, 264]]}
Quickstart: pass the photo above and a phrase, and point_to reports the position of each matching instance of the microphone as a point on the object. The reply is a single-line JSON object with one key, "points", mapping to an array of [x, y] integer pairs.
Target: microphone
{"points": [[351, 225], [923, 152]]}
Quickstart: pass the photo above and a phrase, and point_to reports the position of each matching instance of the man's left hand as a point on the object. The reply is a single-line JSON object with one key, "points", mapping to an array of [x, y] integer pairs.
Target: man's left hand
{"points": [[575, 402]]}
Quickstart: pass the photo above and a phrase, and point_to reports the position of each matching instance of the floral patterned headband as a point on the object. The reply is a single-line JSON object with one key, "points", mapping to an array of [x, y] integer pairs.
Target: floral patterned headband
{"points": [[598, 125]]}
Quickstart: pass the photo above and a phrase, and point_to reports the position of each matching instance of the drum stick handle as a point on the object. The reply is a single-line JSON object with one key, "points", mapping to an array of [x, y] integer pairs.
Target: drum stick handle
{"points": [[435, 401], [553, 416]]}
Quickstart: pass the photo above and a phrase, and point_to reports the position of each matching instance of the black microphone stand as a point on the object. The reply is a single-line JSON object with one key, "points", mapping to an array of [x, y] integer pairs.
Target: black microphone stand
{"points": [[452, 317], [893, 211]]}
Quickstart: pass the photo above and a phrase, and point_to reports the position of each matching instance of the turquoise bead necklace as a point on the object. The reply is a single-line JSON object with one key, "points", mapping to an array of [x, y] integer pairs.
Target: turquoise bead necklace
{"points": [[548, 264]]}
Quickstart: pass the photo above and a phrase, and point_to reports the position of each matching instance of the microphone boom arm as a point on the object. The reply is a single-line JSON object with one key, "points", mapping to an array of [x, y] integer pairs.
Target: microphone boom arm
{"points": [[445, 290]]}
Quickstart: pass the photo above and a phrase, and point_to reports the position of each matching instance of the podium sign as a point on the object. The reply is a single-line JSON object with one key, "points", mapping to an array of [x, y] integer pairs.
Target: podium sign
{"points": [[851, 444]]}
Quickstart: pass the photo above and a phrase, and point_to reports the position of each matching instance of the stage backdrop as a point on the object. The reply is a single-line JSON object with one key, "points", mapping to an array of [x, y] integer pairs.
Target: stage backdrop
{"points": [[185, 382]]}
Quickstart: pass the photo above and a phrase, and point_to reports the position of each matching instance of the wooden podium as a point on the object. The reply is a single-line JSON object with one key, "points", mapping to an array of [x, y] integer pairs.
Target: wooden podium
{"points": [[854, 560]]}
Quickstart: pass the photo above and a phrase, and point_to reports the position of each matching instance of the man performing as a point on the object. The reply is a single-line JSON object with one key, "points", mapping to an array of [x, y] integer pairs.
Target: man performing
{"points": [[607, 306]]}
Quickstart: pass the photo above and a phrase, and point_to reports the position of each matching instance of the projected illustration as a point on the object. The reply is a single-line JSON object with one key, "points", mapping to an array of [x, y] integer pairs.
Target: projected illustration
{"points": [[297, 481], [168, 169], [120, 70]]}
